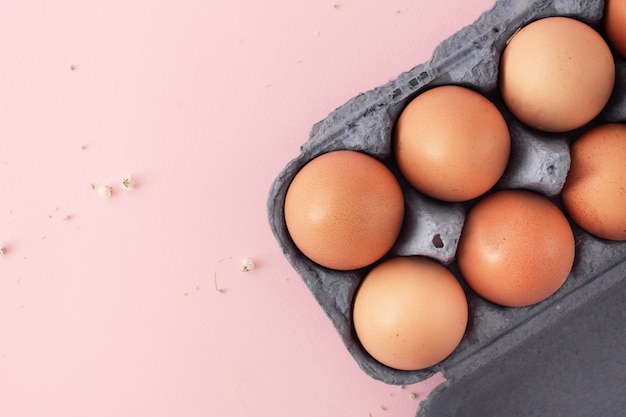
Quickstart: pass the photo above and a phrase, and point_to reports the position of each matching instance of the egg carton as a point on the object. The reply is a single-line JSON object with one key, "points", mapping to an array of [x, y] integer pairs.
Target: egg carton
{"points": [[498, 340]]}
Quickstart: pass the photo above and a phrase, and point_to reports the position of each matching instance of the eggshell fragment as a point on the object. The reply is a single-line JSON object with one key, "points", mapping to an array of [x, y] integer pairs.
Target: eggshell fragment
{"points": [[105, 191]]}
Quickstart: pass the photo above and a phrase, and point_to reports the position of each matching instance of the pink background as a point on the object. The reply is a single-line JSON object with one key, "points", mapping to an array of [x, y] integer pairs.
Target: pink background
{"points": [[110, 307]]}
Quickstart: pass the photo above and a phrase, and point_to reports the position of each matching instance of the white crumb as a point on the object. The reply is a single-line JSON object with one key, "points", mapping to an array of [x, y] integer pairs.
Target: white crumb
{"points": [[247, 265], [128, 184], [105, 191]]}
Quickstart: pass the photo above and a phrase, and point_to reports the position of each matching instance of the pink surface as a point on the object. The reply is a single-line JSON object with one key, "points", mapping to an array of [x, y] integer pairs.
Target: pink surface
{"points": [[111, 307]]}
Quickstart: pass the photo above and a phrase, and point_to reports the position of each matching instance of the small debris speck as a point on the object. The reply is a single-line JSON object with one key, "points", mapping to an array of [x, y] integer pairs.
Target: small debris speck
{"points": [[67, 217], [413, 396], [218, 289], [105, 191], [128, 184], [72, 67], [247, 265], [3, 250], [315, 33]]}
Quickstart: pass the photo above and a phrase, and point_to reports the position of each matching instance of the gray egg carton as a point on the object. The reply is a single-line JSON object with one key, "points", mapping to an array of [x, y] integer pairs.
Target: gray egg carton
{"points": [[501, 345]]}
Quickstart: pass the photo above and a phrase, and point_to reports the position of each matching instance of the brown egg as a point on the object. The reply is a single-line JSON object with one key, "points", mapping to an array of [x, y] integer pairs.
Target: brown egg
{"points": [[410, 313], [451, 143], [594, 193], [615, 24], [556, 74], [516, 248], [344, 210]]}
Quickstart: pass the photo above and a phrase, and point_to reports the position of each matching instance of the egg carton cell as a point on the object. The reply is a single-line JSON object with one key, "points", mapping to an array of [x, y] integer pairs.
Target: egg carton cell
{"points": [[538, 161]]}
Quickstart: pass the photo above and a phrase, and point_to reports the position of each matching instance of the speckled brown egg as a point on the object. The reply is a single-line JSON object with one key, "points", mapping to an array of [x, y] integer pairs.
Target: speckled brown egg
{"points": [[516, 248], [556, 74], [410, 313], [451, 143], [615, 24], [594, 193], [344, 210]]}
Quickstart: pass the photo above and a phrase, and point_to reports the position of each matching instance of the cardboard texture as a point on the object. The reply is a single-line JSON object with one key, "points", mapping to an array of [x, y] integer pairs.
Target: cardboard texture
{"points": [[505, 352]]}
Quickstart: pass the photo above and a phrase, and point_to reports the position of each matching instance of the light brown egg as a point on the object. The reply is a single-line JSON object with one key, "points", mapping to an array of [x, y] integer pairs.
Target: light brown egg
{"points": [[615, 24], [516, 248], [556, 74], [344, 210], [594, 193], [451, 143], [410, 313]]}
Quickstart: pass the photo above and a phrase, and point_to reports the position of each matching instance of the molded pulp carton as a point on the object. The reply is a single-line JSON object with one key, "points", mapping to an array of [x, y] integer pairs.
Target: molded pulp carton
{"points": [[565, 356]]}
